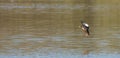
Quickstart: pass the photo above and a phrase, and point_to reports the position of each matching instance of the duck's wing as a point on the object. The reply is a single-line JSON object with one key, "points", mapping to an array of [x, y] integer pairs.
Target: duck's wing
{"points": [[85, 24]]}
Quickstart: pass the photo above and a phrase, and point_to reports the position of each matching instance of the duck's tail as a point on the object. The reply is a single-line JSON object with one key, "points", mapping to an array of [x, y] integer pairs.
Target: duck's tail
{"points": [[88, 31]]}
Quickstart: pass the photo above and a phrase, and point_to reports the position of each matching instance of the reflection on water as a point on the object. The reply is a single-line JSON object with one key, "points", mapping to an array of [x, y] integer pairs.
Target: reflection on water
{"points": [[52, 30]]}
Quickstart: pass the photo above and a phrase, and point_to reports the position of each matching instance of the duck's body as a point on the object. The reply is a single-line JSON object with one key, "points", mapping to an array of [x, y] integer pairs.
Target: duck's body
{"points": [[85, 28]]}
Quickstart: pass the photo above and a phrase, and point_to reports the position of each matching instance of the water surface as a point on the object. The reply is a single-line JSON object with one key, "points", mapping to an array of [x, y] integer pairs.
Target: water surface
{"points": [[50, 29]]}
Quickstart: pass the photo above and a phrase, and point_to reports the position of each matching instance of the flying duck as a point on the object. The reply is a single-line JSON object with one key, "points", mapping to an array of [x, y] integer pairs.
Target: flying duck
{"points": [[85, 28]]}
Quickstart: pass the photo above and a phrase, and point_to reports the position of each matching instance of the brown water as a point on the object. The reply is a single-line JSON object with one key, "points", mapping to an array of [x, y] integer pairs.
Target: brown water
{"points": [[46, 27]]}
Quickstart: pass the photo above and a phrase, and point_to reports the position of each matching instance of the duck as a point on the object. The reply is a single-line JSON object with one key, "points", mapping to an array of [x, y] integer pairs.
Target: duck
{"points": [[85, 28]]}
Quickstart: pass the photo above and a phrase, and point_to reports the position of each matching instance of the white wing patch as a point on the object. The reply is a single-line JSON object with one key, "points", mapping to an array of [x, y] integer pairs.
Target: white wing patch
{"points": [[86, 24]]}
